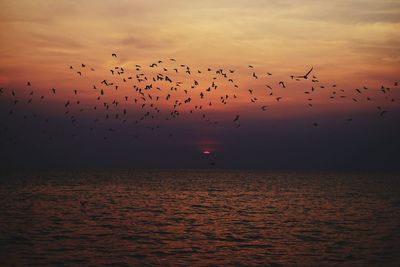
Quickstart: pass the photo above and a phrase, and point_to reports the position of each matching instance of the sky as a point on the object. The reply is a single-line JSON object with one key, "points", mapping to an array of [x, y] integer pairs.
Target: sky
{"points": [[349, 44]]}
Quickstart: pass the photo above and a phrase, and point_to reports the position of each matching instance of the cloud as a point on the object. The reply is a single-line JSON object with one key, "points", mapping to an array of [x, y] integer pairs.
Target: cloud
{"points": [[146, 42]]}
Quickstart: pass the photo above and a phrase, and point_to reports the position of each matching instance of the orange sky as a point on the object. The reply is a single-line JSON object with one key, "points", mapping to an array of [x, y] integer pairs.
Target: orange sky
{"points": [[350, 43]]}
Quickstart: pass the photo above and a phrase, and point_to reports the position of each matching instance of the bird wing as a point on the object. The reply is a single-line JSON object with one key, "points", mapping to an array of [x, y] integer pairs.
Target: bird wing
{"points": [[308, 73]]}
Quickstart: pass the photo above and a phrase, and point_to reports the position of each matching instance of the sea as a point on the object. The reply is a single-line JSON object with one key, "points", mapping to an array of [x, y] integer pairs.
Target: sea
{"points": [[199, 218]]}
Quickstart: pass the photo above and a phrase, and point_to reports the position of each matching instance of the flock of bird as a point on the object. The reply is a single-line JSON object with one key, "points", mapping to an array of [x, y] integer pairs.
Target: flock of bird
{"points": [[170, 89]]}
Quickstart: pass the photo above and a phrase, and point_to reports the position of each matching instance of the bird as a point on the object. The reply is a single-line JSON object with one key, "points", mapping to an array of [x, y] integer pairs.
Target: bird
{"points": [[114, 55], [236, 118], [306, 75]]}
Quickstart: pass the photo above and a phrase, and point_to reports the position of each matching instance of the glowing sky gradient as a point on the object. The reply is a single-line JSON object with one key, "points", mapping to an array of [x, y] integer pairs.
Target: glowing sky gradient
{"points": [[349, 43], [359, 40]]}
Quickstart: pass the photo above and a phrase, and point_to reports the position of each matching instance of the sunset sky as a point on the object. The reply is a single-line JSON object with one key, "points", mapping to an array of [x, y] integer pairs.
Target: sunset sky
{"points": [[348, 43], [344, 37]]}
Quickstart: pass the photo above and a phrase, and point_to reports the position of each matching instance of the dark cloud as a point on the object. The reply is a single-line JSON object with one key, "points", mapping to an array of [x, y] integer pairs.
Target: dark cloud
{"points": [[370, 142]]}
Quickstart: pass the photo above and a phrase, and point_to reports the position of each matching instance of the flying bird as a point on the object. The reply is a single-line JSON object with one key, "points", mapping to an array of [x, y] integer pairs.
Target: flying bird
{"points": [[306, 75]]}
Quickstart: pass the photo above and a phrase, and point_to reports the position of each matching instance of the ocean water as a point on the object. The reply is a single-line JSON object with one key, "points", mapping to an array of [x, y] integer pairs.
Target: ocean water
{"points": [[199, 218]]}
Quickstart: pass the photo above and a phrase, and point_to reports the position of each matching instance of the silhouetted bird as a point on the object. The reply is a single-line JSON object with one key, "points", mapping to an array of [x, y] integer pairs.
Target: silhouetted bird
{"points": [[306, 75]]}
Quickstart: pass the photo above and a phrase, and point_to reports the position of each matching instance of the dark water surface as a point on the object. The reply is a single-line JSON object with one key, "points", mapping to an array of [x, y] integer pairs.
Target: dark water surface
{"points": [[199, 218]]}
